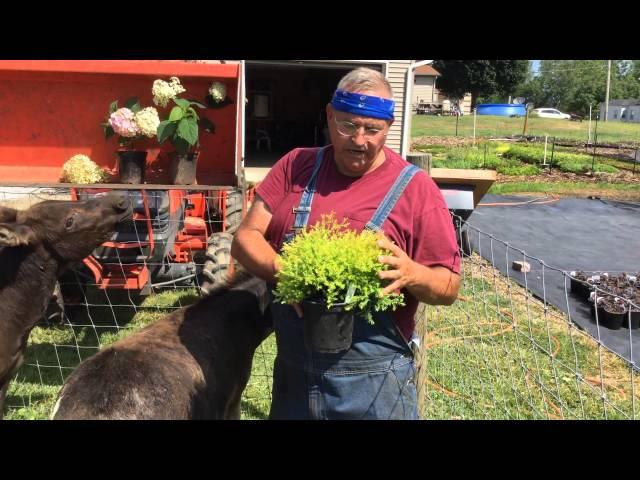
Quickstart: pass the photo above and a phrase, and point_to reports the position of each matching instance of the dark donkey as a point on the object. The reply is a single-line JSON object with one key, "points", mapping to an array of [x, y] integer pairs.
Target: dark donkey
{"points": [[36, 246], [191, 364]]}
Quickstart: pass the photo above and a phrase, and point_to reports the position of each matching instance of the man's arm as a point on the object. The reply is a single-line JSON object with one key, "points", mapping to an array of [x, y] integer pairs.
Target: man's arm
{"points": [[433, 285], [249, 245]]}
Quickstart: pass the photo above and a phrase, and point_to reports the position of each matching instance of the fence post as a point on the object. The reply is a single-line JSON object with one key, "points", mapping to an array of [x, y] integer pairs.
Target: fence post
{"points": [[420, 159], [553, 147], [475, 110], [526, 117], [421, 359], [457, 119]]}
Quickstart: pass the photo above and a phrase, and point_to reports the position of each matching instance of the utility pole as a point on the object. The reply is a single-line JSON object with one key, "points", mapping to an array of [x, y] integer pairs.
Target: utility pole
{"points": [[606, 99]]}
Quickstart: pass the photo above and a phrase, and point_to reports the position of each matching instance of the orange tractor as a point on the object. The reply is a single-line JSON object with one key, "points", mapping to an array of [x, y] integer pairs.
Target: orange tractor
{"points": [[180, 233]]}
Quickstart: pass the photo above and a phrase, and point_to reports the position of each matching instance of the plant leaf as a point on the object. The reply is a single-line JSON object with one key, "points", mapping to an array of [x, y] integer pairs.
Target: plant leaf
{"points": [[182, 146], [176, 114], [188, 130], [113, 107], [133, 104], [182, 102], [192, 113], [108, 131], [166, 129], [197, 104]]}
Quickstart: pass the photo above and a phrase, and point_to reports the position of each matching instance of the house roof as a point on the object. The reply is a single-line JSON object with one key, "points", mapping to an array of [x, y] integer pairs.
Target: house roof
{"points": [[624, 103], [427, 70]]}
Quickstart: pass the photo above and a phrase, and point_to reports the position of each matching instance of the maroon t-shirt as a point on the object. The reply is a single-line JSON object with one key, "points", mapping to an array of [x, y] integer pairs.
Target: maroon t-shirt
{"points": [[419, 223]]}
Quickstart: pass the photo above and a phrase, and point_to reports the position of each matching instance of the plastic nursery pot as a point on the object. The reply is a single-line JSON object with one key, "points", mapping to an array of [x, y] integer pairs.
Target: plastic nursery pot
{"points": [[131, 165], [612, 320], [182, 169], [327, 330], [579, 285], [635, 319], [601, 314]]}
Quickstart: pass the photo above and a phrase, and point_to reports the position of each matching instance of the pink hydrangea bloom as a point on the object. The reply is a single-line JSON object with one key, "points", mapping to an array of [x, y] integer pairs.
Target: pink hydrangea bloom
{"points": [[123, 123]]}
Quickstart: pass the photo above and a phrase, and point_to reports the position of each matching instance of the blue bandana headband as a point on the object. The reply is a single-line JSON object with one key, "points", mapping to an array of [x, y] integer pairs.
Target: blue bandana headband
{"points": [[364, 105]]}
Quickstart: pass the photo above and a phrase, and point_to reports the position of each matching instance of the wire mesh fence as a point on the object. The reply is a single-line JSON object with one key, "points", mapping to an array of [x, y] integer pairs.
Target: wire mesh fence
{"points": [[502, 351]]}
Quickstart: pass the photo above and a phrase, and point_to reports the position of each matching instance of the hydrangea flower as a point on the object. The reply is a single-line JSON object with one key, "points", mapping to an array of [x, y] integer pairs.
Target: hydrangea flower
{"points": [[81, 169], [218, 91], [148, 120], [123, 123], [165, 91]]}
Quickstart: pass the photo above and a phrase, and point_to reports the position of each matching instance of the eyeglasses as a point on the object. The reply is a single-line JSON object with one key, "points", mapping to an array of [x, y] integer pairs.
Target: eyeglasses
{"points": [[348, 129]]}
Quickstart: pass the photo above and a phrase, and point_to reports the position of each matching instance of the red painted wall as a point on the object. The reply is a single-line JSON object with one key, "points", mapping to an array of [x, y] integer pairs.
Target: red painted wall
{"points": [[52, 110]]}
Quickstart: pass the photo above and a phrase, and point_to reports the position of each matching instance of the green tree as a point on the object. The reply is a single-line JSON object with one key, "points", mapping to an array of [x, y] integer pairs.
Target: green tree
{"points": [[480, 77], [573, 85]]}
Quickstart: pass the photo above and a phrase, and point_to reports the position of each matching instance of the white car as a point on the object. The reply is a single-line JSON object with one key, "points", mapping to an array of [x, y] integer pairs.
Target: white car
{"points": [[550, 113]]}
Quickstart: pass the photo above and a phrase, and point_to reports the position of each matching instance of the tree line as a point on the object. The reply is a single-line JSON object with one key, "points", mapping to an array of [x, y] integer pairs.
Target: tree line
{"points": [[568, 85]]}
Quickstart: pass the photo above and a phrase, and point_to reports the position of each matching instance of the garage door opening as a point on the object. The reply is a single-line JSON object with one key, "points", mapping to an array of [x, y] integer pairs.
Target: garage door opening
{"points": [[286, 108]]}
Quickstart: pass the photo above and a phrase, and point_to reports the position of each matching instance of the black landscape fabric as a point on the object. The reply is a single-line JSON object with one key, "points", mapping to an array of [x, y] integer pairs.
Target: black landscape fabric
{"points": [[570, 234]]}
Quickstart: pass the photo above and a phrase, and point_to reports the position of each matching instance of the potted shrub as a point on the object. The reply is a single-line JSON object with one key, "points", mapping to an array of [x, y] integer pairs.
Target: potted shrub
{"points": [[131, 123], [614, 313], [579, 284], [181, 128], [333, 272]]}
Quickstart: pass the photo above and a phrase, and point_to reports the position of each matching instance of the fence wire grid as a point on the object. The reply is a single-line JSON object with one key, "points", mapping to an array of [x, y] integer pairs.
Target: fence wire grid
{"points": [[499, 352]]}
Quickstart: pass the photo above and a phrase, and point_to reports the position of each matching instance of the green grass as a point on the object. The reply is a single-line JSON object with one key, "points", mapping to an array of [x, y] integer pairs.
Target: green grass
{"points": [[480, 363], [494, 126], [564, 187], [516, 159], [498, 354]]}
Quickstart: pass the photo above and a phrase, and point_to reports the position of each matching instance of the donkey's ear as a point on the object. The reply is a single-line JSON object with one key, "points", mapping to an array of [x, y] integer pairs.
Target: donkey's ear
{"points": [[8, 214], [14, 234]]}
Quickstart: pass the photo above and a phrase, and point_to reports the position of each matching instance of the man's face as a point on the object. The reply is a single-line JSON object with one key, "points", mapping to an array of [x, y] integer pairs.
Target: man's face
{"points": [[357, 140]]}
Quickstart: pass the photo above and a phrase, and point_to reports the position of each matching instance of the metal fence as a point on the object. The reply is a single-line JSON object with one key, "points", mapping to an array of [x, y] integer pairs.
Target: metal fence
{"points": [[500, 352]]}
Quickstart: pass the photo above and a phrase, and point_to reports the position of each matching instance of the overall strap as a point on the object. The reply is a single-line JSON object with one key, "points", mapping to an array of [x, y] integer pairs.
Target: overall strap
{"points": [[375, 224], [304, 208], [391, 198]]}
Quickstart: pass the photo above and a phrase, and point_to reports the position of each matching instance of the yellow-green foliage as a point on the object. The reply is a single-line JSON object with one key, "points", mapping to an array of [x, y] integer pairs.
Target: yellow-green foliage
{"points": [[337, 265]]}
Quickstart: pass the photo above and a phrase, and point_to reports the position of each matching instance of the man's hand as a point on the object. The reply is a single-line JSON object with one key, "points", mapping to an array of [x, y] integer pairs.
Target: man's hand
{"points": [[403, 271], [435, 285]]}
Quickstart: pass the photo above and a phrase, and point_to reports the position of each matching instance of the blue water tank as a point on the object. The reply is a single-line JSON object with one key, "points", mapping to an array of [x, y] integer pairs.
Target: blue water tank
{"points": [[502, 109]]}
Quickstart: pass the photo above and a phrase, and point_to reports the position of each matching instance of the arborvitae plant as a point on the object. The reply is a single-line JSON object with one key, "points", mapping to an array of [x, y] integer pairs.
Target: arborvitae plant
{"points": [[333, 264]]}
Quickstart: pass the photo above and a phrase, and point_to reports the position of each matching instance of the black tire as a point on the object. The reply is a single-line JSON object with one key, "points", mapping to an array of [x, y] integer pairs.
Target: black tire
{"points": [[234, 211], [234, 203], [217, 260]]}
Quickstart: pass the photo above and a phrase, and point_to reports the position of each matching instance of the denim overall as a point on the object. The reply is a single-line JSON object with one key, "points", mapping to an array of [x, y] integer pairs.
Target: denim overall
{"points": [[373, 379]]}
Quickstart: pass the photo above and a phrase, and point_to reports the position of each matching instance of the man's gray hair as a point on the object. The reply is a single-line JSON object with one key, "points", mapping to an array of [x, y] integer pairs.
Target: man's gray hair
{"points": [[362, 79]]}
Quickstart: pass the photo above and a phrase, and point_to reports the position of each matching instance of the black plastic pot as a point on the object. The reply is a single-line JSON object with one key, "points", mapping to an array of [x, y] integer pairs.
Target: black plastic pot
{"points": [[182, 169], [581, 289], [327, 330], [635, 320], [612, 320], [131, 165]]}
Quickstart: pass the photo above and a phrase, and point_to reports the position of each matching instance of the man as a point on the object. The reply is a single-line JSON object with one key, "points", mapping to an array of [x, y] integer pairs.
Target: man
{"points": [[352, 176]]}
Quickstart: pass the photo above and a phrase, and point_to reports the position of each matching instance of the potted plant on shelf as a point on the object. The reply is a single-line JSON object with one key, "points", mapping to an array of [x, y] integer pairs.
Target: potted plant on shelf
{"points": [[181, 128], [333, 272], [131, 123]]}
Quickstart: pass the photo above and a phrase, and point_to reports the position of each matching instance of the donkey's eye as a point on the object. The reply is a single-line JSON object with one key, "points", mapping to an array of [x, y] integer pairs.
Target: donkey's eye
{"points": [[68, 223]]}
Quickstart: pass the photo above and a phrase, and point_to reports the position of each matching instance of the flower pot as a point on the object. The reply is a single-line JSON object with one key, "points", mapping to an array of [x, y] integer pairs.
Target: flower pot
{"points": [[612, 320], [131, 165], [635, 320], [327, 330], [182, 169]]}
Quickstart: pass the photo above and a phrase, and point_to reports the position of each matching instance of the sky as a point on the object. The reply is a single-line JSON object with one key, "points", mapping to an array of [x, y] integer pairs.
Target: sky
{"points": [[536, 66]]}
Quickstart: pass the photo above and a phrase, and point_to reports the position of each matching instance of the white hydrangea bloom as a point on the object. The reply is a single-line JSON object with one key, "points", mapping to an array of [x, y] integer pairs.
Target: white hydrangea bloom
{"points": [[165, 91], [148, 120], [218, 91], [81, 169]]}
